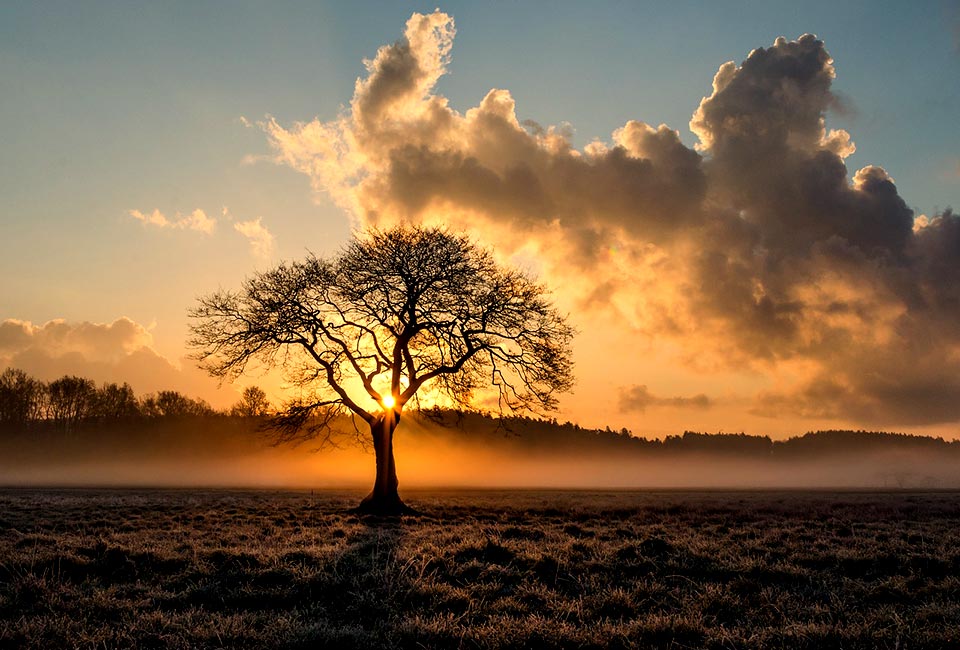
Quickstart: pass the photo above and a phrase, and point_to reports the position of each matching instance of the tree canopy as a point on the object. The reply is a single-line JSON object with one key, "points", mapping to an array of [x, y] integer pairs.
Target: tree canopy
{"points": [[398, 312], [395, 311]]}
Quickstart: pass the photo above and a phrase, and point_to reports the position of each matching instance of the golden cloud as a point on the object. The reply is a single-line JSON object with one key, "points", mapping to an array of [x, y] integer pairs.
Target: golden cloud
{"points": [[754, 248]]}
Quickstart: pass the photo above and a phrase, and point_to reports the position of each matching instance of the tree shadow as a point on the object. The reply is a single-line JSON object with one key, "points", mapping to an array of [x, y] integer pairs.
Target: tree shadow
{"points": [[359, 595]]}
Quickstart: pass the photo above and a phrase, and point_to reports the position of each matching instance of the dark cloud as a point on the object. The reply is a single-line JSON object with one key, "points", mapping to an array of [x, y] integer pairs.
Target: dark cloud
{"points": [[639, 398], [923, 397], [758, 247], [936, 249]]}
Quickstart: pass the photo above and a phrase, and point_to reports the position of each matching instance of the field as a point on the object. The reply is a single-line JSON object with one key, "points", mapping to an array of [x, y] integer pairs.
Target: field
{"points": [[258, 569]]}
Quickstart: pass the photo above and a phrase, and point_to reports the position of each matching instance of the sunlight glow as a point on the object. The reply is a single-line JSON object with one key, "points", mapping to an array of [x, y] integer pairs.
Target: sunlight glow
{"points": [[388, 401]]}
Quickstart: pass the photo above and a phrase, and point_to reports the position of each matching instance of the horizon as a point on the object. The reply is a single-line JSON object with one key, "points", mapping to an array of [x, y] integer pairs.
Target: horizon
{"points": [[193, 446], [144, 408]]}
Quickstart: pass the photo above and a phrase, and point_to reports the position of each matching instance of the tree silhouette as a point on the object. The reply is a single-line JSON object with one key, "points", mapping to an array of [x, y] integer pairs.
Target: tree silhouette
{"points": [[115, 402], [396, 313], [70, 400], [170, 403], [21, 397], [253, 403]]}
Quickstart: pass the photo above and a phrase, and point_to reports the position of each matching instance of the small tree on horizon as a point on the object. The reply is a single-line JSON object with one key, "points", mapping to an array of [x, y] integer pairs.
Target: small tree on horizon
{"points": [[396, 313], [22, 398], [253, 403], [70, 400]]}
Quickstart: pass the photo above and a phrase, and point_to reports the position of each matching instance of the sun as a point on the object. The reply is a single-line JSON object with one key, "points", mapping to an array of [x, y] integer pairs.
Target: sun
{"points": [[388, 401]]}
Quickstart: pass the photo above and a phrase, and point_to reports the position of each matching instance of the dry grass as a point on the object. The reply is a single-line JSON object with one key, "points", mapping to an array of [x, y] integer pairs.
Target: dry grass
{"points": [[230, 569]]}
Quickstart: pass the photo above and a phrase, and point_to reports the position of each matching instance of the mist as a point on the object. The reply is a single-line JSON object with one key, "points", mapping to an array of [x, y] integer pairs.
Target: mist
{"points": [[476, 453]]}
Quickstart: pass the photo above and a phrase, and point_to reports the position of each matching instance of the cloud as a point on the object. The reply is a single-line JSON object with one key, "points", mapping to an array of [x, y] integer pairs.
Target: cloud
{"points": [[261, 241], [105, 352], [403, 153], [196, 220], [877, 392], [154, 218], [639, 398], [757, 248], [259, 237], [103, 341]]}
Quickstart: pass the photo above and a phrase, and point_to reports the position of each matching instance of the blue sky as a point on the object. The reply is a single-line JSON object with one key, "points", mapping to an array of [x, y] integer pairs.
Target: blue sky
{"points": [[112, 107]]}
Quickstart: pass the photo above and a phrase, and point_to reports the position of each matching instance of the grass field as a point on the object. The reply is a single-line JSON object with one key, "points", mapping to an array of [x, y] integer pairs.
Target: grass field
{"points": [[232, 569]]}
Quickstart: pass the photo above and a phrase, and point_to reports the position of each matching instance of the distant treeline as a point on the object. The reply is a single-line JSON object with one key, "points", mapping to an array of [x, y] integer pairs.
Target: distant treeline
{"points": [[71, 401], [109, 411], [551, 435]]}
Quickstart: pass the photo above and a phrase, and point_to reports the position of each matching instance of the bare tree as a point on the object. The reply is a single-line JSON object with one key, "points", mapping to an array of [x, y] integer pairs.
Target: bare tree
{"points": [[71, 400], [172, 404], [115, 402], [253, 403], [396, 313], [21, 397]]}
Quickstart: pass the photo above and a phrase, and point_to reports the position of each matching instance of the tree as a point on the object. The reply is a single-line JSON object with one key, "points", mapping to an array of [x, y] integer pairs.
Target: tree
{"points": [[396, 314], [253, 403], [171, 404], [116, 402], [71, 400], [21, 397]]}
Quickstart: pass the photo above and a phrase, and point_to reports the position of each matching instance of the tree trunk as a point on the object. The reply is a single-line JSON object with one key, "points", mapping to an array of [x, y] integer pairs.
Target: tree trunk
{"points": [[384, 498]]}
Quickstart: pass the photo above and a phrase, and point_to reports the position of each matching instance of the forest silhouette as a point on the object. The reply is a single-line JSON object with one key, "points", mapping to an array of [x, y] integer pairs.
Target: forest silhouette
{"points": [[72, 421]]}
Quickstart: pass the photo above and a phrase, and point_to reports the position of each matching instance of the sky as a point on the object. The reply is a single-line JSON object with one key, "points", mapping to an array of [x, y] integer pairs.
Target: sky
{"points": [[779, 257]]}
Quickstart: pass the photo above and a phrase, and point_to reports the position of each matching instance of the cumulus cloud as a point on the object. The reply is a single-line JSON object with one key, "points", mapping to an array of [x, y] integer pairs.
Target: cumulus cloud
{"points": [[261, 240], [120, 351], [196, 220], [639, 398], [757, 247], [105, 341]]}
